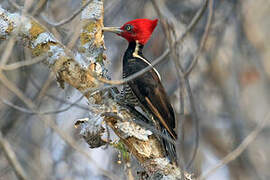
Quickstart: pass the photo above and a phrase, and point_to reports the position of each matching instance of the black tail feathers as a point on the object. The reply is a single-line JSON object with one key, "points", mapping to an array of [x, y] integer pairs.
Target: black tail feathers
{"points": [[169, 146]]}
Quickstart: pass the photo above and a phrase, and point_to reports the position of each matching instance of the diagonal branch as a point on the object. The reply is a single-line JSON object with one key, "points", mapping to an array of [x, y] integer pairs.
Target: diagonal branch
{"points": [[67, 20], [239, 150], [11, 157]]}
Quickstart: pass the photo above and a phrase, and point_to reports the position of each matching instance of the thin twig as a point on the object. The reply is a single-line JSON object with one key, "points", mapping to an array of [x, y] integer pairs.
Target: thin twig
{"points": [[65, 21], [9, 47], [193, 22], [39, 7], [27, 5], [11, 157], [45, 86], [189, 90], [20, 64], [55, 98], [196, 120], [239, 150], [28, 111], [15, 5], [204, 38]]}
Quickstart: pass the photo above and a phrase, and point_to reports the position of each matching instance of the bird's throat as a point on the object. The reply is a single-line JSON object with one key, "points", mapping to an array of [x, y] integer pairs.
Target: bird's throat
{"points": [[134, 49]]}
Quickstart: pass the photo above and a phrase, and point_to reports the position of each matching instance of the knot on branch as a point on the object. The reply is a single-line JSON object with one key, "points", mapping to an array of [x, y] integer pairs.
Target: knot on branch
{"points": [[92, 131]]}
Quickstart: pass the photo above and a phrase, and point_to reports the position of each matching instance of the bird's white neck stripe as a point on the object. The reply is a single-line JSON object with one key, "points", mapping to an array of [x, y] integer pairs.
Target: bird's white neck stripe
{"points": [[135, 54]]}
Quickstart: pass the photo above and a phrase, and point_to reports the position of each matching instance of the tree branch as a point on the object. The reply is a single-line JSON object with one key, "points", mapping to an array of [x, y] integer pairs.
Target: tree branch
{"points": [[11, 157], [239, 150]]}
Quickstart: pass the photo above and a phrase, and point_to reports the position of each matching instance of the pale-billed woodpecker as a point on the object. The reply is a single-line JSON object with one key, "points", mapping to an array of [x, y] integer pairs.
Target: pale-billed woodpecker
{"points": [[146, 91]]}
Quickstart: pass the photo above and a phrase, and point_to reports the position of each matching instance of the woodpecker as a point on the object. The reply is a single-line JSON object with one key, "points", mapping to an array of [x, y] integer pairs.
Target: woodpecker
{"points": [[146, 90]]}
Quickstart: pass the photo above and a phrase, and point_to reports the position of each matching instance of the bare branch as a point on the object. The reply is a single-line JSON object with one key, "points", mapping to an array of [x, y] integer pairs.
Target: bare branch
{"points": [[239, 150], [39, 7], [192, 102], [17, 65], [7, 53], [204, 38], [11, 157], [67, 20], [28, 111]]}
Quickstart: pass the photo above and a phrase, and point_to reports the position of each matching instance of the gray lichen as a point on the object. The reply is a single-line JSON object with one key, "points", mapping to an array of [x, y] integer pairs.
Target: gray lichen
{"points": [[130, 129], [93, 10]]}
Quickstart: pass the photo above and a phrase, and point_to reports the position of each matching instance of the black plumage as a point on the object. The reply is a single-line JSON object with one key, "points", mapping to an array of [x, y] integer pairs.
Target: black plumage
{"points": [[149, 92]]}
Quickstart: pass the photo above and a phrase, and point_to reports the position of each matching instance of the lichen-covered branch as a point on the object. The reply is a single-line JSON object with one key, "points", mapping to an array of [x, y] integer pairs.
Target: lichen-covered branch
{"points": [[42, 42], [91, 44], [80, 71]]}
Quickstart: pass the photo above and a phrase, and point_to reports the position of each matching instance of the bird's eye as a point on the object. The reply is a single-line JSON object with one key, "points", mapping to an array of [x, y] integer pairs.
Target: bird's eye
{"points": [[128, 27]]}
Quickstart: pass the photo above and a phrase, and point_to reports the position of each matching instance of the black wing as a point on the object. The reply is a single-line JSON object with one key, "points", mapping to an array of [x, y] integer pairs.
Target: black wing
{"points": [[151, 93]]}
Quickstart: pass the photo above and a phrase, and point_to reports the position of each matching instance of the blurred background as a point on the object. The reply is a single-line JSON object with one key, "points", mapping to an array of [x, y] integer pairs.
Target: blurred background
{"points": [[230, 86]]}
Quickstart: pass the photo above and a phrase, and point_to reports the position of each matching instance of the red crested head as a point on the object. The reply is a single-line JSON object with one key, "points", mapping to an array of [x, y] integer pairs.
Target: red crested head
{"points": [[138, 30]]}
